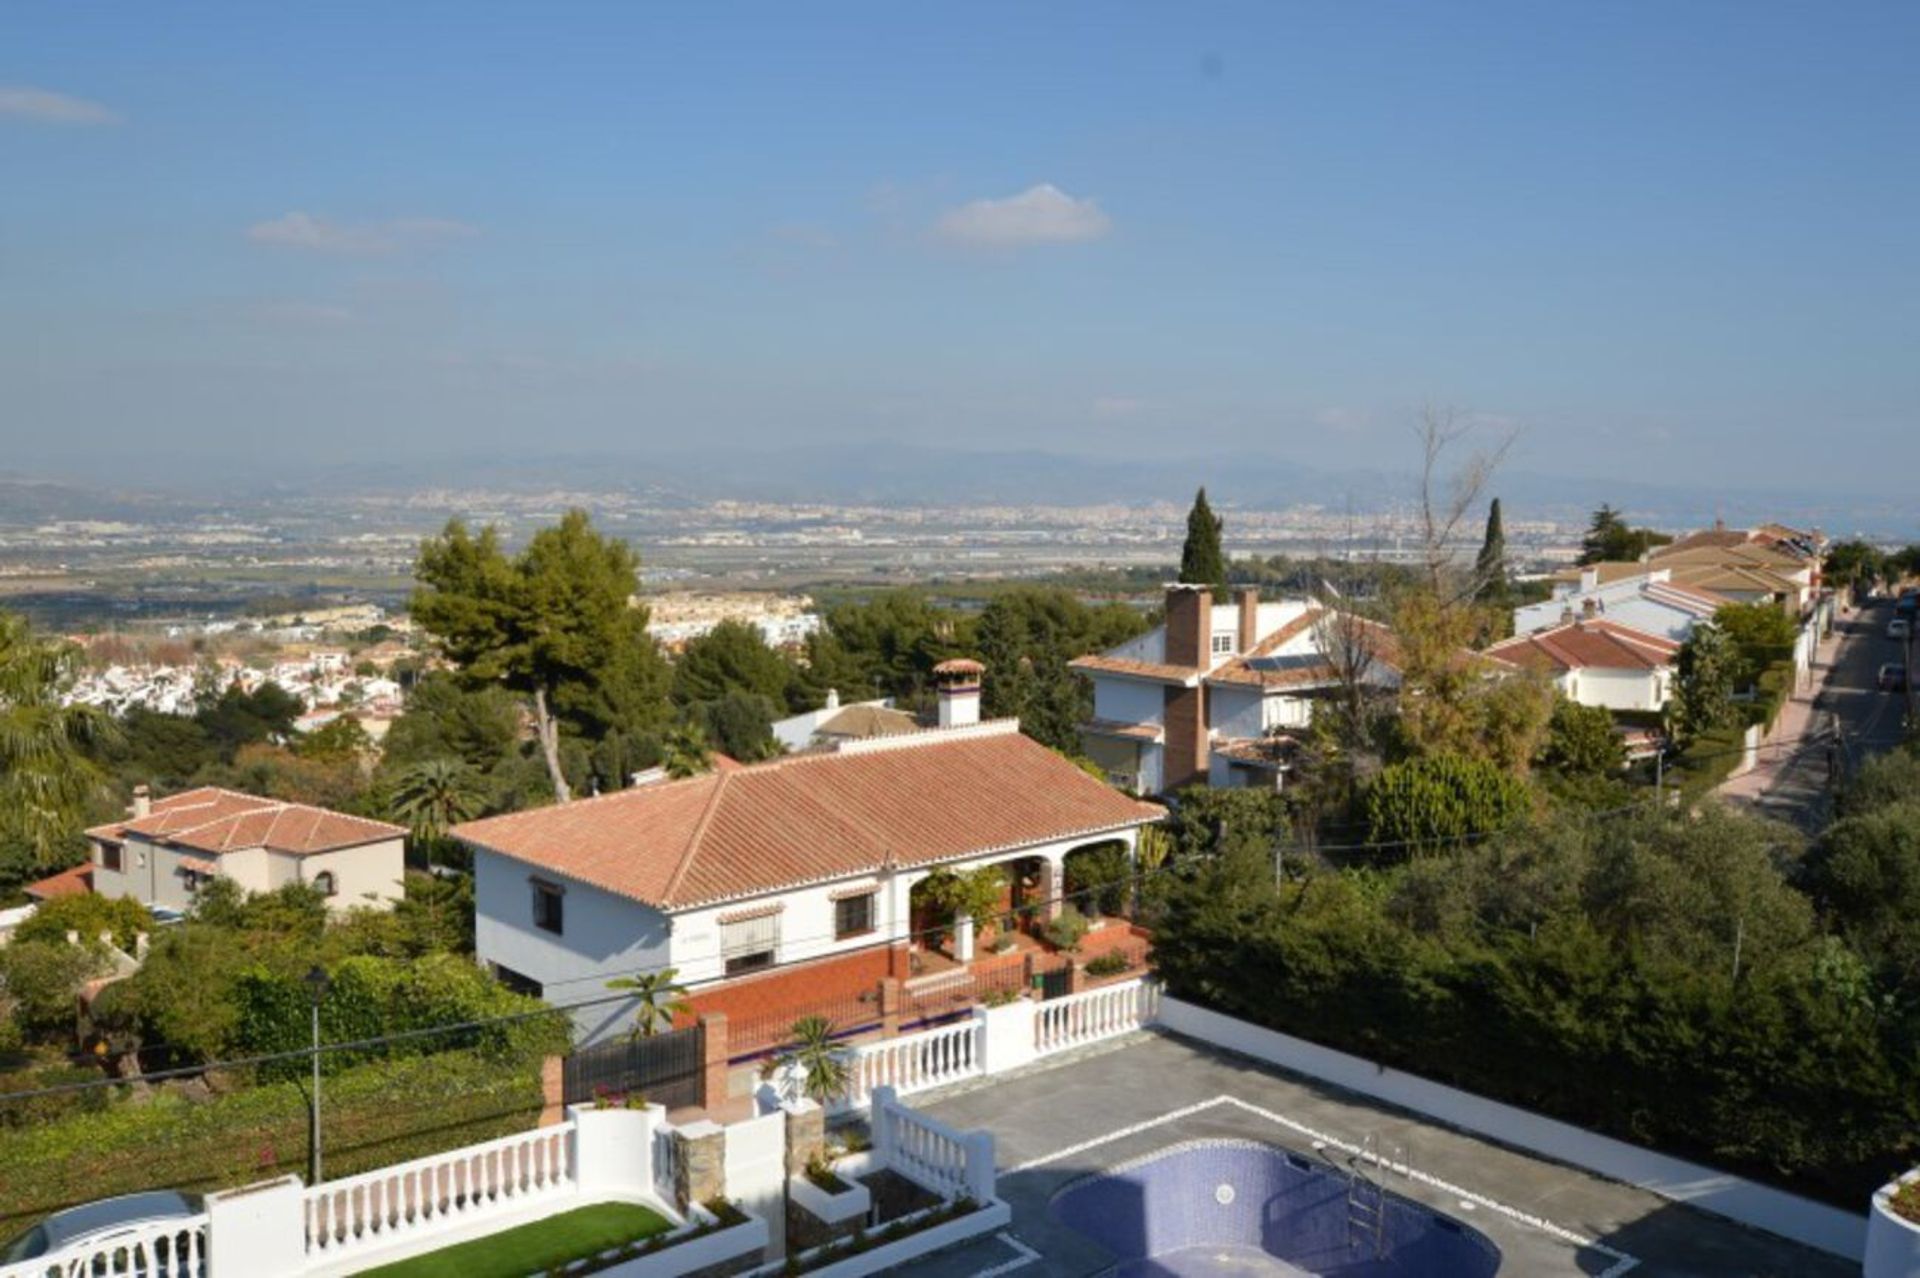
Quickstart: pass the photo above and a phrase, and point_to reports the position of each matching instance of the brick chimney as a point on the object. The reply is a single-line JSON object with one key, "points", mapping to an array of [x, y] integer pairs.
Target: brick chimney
{"points": [[142, 802], [958, 684], [1248, 598], [1189, 626], [1184, 710]]}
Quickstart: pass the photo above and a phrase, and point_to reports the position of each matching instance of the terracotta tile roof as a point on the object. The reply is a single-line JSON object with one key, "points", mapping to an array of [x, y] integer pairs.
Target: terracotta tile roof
{"points": [[211, 819], [1587, 645], [1692, 598], [74, 881], [1274, 752], [960, 666], [1724, 577], [806, 819], [1605, 573], [1186, 676]]}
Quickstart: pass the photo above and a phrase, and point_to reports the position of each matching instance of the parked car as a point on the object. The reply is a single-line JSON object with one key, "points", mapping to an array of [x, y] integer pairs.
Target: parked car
{"points": [[100, 1222], [1899, 628], [1893, 677]]}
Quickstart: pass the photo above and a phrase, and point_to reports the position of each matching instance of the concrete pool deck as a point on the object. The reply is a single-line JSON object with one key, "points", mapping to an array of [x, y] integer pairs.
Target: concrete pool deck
{"points": [[1084, 1112]]}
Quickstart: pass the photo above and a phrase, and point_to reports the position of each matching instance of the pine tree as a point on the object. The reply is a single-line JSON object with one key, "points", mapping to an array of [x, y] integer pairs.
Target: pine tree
{"points": [[1202, 563], [1490, 569]]}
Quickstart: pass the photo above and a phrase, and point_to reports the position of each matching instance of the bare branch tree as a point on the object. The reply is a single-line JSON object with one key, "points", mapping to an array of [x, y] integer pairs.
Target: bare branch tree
{"points": [[1447, 498]]}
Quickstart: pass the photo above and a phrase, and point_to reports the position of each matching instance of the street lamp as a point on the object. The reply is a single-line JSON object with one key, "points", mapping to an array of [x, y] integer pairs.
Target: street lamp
{"points": [[317, 982]]}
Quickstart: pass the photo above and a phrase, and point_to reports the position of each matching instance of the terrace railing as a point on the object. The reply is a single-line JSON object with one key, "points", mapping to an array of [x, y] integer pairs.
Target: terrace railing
{"points": [[1087, 1018], [381, 1207], [916, 1062], [940, 1158]]}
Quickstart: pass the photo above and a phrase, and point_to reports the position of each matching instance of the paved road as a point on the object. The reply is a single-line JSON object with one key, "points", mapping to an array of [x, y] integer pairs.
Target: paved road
{"points": [[1791, 782]]}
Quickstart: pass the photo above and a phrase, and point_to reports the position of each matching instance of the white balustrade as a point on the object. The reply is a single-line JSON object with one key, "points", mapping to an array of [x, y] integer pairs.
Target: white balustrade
{"points": [[1087, 1018], [922, 1149], [378, 1207], [169, 1249], [915, 1062]]}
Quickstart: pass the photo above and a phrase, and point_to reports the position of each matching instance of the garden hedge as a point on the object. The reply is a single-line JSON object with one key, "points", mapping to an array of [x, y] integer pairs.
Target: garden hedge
{"points": [[372, 1116]]}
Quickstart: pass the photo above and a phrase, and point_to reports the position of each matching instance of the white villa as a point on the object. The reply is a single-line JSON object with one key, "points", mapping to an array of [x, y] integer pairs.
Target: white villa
{"points": [[1212, 694], [1598, 663], [168, 848], [805, 858]]}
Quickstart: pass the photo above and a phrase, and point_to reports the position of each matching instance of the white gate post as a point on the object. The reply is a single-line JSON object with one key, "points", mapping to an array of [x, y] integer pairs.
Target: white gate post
{"points": [[258, 1231]]}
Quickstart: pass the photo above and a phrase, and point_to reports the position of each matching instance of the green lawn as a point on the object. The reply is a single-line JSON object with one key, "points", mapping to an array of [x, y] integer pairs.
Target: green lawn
{"points": [[533, 1249]]}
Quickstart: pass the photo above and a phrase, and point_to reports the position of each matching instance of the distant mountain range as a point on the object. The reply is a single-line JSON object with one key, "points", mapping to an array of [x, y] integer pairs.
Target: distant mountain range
{"points": [[901, 474]]}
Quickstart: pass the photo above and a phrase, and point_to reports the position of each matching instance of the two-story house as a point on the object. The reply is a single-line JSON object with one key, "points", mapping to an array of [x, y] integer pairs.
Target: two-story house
{"points": [[167, 849], [1214, 693]]}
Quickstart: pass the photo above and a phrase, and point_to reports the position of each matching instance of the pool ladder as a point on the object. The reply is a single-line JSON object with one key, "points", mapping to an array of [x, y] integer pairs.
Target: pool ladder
{"points": [[1367, 1198]]}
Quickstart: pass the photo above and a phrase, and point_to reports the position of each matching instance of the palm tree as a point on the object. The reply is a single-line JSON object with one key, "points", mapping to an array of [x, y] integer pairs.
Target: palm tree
{"points": [[659, 1000], [434, 795], [820, 1062], [685, 753], [46, 778]]}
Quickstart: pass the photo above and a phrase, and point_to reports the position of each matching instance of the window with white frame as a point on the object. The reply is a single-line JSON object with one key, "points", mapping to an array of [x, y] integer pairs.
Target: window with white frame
{"points": [[750, 943], [1223, 643], [110, 856]]}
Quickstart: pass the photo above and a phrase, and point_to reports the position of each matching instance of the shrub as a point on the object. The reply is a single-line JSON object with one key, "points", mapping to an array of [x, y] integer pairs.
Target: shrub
{"points": [[1112, 963], [1067, 931], [1906, 1201], [1441, 800], [1099, 877], [41, 979], [89, 915]]}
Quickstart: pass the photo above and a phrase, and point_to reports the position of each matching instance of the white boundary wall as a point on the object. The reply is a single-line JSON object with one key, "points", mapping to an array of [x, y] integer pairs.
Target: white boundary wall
{"points": [[1773, 1210], [1893, 1243]]}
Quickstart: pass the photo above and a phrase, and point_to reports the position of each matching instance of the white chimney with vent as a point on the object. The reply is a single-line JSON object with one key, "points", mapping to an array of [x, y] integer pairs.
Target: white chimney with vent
{"points": [[142, 801], [958, 682]]}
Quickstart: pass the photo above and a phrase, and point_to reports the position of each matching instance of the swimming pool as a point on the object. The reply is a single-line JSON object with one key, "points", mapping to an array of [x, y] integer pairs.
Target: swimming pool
{"points": [[1221, 1207]]}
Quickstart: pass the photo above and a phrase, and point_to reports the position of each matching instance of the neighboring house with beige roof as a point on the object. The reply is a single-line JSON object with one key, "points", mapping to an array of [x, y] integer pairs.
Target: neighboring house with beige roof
{"points": [[1598, 663], [798, 859], [1645, 598], [1214, 693], [167, 849]]}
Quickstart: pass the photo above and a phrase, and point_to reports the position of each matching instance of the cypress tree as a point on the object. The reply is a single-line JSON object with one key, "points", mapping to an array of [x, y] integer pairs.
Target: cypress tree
{"points": [[1490, 568], [1202, 562]]}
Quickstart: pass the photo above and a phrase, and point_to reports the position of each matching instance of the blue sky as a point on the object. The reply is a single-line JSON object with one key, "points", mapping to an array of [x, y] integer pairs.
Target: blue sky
{"points": [[1660, 240]]}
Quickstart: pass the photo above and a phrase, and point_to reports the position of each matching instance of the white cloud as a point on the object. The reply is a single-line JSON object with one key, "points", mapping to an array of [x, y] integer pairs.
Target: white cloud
{"points": [[1042, 214], [319, 234], [52, 108]]}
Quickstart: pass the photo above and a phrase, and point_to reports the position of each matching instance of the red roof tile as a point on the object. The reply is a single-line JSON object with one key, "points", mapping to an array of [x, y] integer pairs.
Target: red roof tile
{"points": [[1590, 644], [74, 881], [211, 819], [813, 818], [1157, 671]]}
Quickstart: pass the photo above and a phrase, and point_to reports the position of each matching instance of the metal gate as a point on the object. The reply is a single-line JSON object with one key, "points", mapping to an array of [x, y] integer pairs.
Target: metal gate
{"points": [[1056, 984], [666, 1068]]}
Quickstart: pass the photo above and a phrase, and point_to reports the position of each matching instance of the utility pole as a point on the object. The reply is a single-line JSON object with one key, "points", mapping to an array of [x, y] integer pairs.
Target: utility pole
{"points": [[317, 982]]}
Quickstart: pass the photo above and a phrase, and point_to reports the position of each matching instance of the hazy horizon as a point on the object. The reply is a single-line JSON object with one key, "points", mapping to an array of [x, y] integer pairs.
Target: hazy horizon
{"points": [[1665, 245]]}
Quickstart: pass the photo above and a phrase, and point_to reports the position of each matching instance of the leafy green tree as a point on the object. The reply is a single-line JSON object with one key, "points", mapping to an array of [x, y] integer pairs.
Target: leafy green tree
{"points": [[1880, 781], [1100, 878], [239, 718], [1704, 674], [732, 657], [47, 780], [1866, 873], [552, 623], [658, 999], [886, 646], [1441, 800], [971, 894], [40, 980], [1854, 565], [740, 724], [1760, 635], [1026, 637], [336, 741], [1610, 540], [1581, 741], [1202, 561], [162, 750], [89, 915]]}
